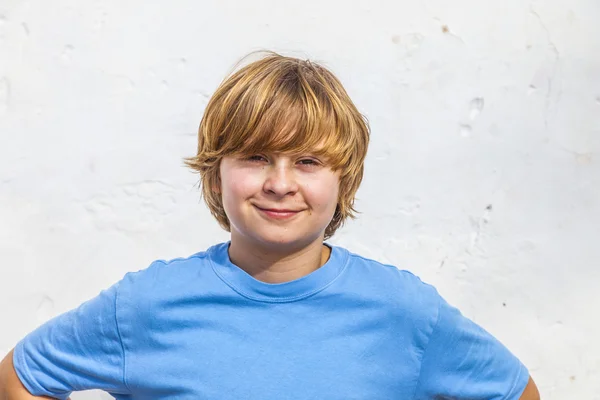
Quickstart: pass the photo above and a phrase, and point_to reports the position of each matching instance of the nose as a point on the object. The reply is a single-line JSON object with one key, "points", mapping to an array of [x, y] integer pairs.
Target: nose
{"points": [[280, 180]]}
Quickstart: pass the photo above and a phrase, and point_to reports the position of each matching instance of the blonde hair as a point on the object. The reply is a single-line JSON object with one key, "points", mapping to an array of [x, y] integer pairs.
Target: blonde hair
{"points": [[282, 104]]}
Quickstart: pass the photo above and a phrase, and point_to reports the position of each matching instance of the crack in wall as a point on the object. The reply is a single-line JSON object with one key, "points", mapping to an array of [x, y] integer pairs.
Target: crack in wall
{"points": [[553, 74]]}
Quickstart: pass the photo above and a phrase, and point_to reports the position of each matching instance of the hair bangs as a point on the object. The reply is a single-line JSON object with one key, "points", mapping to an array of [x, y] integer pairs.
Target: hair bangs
{"points": [[292, 118]]}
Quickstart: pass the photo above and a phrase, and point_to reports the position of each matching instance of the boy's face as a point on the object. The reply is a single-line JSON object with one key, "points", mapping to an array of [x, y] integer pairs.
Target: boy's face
{"points": [[278, 199]]}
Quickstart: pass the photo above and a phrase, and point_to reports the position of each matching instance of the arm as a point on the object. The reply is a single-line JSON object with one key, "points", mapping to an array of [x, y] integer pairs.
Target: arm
{"points": [[530, 392], [11, 387], [463, 361], [74, 351]]}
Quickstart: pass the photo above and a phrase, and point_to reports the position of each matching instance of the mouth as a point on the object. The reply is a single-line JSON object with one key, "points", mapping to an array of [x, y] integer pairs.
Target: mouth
{"points": [[278, 213]]}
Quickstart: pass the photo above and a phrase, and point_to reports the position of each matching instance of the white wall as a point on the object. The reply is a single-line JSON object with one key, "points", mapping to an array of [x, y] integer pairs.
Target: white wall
{"points": [[483, 175]]}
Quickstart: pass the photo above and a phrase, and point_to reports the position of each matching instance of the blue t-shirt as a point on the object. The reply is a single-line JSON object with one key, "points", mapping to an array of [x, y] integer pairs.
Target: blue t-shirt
{"points": [[202, 328]]}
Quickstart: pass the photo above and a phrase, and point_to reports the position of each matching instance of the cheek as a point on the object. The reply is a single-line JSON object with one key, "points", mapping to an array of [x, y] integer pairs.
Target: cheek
{"points": [[240, 184], [233, 195], [325, 194]]}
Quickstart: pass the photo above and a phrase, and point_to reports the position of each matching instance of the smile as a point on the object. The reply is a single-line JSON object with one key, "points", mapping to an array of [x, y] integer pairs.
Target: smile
{"points": [[280, 214]]}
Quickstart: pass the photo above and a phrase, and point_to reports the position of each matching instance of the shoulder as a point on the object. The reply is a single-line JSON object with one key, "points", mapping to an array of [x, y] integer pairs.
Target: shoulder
{"points": [[170, 267], [167, 277], [390, 275], [402, 288]]}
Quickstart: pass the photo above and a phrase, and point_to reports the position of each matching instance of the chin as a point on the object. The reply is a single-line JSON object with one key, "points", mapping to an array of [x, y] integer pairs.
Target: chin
{"points": [[279, 240], [284, 239]]}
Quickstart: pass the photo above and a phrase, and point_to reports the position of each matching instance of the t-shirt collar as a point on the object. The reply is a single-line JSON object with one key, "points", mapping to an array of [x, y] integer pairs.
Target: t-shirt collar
{"points": [[250, 287]]}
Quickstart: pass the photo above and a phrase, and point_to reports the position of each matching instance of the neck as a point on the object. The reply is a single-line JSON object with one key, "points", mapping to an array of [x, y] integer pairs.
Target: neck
{"points": [[277, 265]]}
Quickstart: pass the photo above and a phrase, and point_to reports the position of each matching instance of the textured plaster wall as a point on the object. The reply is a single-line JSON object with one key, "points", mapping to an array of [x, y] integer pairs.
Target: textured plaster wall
{"points": [[483, 175]]}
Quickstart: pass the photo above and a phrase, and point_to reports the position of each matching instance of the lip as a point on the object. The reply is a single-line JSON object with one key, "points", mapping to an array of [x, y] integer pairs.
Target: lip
{"points": [[275, 213]]}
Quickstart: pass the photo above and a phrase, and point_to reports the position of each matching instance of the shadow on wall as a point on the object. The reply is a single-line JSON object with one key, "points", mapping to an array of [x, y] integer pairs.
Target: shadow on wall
{"points": [[91, 395]]}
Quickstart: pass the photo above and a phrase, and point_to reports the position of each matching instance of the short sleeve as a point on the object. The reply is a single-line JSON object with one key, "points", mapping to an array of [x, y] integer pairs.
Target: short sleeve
{"points": [[463, 361], [78, 350]]}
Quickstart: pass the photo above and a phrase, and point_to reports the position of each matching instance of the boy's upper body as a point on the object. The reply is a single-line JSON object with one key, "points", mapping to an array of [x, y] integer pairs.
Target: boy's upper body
{"points": [[274, 313], [202, 328]]}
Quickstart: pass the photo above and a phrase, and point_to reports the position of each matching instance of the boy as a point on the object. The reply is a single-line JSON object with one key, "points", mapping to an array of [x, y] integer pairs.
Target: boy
{"points": [[275, 313]]}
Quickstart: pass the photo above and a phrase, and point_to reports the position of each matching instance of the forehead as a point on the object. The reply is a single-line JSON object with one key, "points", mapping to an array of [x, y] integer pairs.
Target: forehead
{"points": [[287, 125], [288, 139]]}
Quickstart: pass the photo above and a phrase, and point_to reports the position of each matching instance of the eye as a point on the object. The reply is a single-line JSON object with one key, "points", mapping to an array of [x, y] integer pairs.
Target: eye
{"points": [[256, 157], [308, 161]]}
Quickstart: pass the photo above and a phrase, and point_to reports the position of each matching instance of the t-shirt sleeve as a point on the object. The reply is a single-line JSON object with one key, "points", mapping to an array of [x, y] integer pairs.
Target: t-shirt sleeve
{"points": [[463, 361], [78, 350]]}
